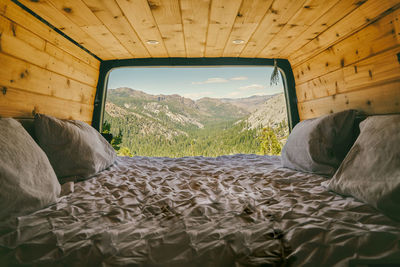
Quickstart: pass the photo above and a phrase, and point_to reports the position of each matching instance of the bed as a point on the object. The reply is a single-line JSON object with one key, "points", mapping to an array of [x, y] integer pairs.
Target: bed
{"points": [[239, 210], [234, 210]]}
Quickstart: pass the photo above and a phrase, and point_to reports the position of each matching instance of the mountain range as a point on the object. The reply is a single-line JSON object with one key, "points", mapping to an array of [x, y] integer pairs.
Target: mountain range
{"points": [[143, 117]]}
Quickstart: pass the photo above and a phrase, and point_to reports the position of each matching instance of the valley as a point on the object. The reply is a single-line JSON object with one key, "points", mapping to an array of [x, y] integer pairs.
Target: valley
{"points": [[175, 126]]}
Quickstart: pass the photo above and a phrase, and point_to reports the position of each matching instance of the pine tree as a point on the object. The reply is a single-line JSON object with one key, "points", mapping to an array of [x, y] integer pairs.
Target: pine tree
{"points": [[269, 144]]}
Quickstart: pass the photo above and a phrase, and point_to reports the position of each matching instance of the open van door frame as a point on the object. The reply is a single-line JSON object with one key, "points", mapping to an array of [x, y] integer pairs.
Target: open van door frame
{"points": [[283, 66]]}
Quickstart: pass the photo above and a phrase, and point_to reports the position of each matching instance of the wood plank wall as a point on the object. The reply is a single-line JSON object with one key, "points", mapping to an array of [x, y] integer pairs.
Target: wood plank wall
{"points": [[354, 64], [41, 71]]}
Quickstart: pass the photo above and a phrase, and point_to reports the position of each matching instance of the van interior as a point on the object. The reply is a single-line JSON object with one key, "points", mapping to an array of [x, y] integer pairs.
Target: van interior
{"points": [[332, 198]]}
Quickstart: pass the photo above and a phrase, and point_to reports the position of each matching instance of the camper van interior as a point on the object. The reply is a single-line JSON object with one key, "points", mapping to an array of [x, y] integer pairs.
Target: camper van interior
{"points": [[332, 198]]}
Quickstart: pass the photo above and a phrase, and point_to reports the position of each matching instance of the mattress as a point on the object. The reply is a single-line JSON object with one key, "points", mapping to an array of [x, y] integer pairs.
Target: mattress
{"points": [[239, 210]]}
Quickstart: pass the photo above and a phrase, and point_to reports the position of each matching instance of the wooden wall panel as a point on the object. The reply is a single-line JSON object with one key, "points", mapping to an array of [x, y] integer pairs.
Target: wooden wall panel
{"points": [[383, 99], [46, 10], [353, 22], [41, 70], [361, 71]]}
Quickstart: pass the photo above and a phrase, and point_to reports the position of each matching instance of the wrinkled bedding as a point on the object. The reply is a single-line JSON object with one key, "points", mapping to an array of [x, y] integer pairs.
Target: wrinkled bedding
{"points": [[240, 210]]}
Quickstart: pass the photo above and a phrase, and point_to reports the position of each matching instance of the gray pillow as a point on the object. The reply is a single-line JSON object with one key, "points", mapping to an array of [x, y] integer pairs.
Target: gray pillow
{"points": [[27, 180], [319, 145], [74, 148], [371, 170]]}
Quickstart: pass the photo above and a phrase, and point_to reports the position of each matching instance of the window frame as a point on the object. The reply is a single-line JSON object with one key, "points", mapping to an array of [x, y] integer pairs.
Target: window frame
{"points": [[108, 65]]}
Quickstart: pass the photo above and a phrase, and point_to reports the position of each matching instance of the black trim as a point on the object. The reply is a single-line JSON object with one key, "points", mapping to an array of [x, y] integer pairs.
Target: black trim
{"points": [[283, 65], [53, 28]]}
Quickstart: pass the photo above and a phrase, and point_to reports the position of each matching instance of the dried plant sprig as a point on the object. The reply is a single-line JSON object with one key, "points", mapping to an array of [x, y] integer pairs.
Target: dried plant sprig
{"points": [[275, 75]]}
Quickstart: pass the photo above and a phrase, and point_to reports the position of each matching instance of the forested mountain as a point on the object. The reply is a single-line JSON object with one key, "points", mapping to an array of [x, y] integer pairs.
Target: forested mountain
{"points": [[171, 125]]}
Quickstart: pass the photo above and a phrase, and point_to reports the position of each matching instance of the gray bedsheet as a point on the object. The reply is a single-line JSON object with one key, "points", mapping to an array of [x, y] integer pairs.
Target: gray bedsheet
{"points": [[239, 210]]}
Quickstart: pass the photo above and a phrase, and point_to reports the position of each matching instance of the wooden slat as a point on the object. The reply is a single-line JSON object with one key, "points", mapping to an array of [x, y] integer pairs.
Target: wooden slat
{"points": [[222, 17], [81, 15], [25, 76], [111, 15], [195, 23], [373, 71], [397, 25], [21, 104], [303, 19], [23, 34], [356, 20], [249, 16], [56, 52], [381, 68], [277, 16], [102, 35], [47, 11], [12, 45], [323, 86], [383, 99], [333, 15], [377, 37], [19, 16], [167, 15], [141, 19], [77, 12]]}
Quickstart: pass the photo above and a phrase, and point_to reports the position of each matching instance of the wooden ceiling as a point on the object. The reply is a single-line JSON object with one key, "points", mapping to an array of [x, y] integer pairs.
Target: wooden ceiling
{"points": [[119, 29]]}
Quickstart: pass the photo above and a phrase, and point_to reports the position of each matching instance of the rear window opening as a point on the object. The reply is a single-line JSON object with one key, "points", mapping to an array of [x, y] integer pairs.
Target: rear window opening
{"points": [[195, 111]]}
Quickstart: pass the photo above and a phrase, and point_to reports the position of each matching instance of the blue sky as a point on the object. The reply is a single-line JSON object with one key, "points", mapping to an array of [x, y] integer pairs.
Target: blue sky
{"points": [[198, 82]]}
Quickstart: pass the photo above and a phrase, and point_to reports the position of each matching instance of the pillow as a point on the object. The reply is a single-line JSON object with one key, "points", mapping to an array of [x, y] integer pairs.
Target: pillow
{"points": [[371, 170], [74, 148], [319, 145], [27, 180]]}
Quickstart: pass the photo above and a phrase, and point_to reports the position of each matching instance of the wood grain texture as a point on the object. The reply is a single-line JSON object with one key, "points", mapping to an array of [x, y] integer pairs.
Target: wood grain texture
{"points": [[13, 12], [112, 17], [167, 15], [139, 15], [46, 10], [334, 14], [373, 71], [371, 40], [293, 29], [222, 18], [11, 44], [277, 16], [248, 19], [28, 77], [360, 72], [384, 99], [21, 104], [195, 15], [80, 14], [41, 74], [306, 16], [359, 18]]}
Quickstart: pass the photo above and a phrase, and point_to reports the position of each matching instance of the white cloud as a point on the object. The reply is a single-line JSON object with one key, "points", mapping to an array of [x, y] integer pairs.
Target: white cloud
{"points": [[212, 80], [252, 87], [197, 95], [240, 78]]}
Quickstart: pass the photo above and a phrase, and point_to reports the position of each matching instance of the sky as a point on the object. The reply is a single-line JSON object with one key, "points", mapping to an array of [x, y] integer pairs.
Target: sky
{"points": [[197, 82]]}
